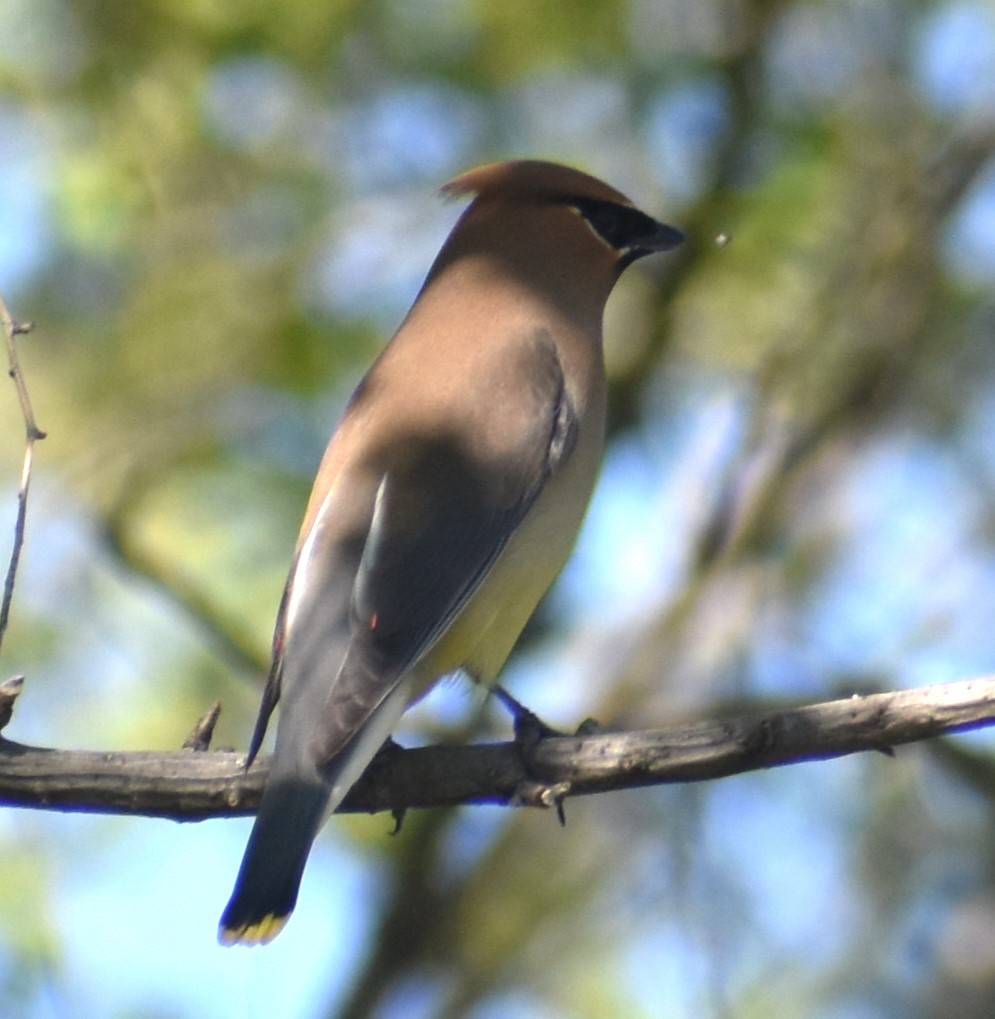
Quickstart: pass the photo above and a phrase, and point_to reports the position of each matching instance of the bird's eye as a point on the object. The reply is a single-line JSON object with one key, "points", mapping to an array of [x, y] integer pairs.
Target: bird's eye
{"points": [[619, 226], [604, 219], [627, 231]]}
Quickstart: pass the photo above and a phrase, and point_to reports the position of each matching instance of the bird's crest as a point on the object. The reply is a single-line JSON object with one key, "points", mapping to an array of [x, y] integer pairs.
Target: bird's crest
{"points": [[531, 179]]}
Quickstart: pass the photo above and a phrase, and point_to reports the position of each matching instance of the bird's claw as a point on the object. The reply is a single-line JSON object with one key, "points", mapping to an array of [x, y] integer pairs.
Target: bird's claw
{"points": [[529, 793]]}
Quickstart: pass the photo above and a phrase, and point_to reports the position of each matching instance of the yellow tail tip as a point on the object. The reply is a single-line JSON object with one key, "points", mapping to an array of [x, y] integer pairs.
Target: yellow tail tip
{"points": [[261, 933]]}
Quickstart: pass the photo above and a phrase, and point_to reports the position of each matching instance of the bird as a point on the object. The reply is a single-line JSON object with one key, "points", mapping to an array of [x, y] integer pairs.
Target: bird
{"points": [[447, 501]]}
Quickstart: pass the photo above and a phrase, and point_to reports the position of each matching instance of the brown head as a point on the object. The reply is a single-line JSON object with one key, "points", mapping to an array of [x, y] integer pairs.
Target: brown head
{"points": [[568, 233]]}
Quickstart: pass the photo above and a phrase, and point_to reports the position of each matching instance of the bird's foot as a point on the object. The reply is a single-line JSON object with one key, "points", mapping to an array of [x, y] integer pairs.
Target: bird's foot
{"points": [[589, 727], [380, 760], [530, 729]]}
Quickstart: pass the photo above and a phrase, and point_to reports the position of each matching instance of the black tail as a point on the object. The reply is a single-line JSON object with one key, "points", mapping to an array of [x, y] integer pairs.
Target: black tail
{"points": [[266, 888]]}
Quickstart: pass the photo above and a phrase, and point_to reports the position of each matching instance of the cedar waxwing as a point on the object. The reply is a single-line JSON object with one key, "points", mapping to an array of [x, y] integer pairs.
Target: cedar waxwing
{"points": [[447, 501]]}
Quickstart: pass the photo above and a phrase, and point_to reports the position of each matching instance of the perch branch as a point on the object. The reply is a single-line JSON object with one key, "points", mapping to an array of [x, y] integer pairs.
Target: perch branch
{"points": [[189, 785]]}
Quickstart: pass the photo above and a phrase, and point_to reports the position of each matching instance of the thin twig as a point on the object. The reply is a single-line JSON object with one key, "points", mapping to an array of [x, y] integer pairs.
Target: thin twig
{"points": [[33, 433]]}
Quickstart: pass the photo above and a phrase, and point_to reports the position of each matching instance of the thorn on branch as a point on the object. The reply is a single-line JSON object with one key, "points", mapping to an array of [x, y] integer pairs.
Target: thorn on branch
{"points": [[9, 691], [203, 732]]}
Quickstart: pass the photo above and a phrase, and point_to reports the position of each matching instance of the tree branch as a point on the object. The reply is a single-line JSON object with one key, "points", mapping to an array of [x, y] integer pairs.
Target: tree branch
{"points": [[33, 433], [191, 785]]}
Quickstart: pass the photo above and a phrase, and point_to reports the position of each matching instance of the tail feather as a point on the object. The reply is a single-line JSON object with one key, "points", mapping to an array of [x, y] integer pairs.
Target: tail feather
{"points": [[297, 799], [290, 815]]}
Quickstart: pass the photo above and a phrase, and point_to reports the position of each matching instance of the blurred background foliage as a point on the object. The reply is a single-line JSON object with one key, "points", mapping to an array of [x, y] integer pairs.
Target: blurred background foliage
{"points": [[216, 213]]}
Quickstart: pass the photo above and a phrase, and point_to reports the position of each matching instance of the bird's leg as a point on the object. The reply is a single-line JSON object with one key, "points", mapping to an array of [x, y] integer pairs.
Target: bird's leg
{"points": [[529, 730], [529, 727]]}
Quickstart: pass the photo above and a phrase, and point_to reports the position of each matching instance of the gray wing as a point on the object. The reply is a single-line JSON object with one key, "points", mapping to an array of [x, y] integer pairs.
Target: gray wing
{"points": [[443, 512]]}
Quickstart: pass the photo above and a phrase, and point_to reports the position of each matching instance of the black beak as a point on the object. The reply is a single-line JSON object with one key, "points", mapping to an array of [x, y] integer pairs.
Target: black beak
{"points": [[662, 238]]}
